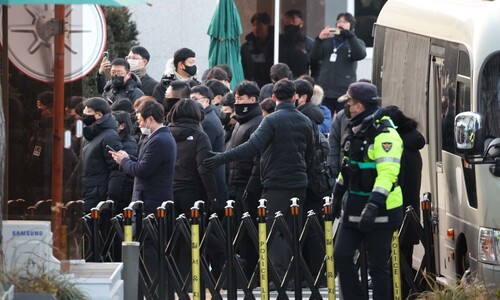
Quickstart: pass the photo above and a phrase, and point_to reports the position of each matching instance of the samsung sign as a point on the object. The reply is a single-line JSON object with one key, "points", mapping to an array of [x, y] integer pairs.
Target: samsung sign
{"points": [[27, 233]]}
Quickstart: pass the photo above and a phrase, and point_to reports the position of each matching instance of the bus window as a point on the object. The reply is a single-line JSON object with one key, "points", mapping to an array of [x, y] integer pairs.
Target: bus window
{"points": [[366, 13], [489, 96]]}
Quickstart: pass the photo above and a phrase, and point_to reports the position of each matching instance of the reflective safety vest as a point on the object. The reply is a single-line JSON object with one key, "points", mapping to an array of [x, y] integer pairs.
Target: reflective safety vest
{"points": [[370, 171]]}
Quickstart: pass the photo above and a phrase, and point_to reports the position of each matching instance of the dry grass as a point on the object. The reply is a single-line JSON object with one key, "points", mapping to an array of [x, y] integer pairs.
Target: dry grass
{"points": [[465, 289]]}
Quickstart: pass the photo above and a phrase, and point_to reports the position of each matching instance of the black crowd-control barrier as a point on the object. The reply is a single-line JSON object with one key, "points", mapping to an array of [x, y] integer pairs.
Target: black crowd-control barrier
{"points": [[165, 240]]}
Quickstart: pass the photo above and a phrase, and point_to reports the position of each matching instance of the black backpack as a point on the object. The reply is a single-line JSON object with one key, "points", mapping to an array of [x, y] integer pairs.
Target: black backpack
{"points": [[320, 179]]}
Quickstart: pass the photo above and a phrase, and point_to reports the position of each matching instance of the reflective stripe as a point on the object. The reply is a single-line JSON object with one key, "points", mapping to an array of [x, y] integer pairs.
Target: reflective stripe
{"points": [[365, 194], [356, 219], [381, 190], [388, 159], [365, 165]]}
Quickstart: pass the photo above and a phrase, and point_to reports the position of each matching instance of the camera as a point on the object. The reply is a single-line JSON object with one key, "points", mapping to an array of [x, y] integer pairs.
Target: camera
{"points": [[334, 31], [167, 79]]}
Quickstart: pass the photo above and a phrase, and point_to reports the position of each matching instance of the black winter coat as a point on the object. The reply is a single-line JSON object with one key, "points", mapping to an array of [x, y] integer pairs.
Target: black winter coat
{"points": [[127, 181], [212, 126], [257, 58], [193, 146], [413, 141], [240, 172], [286, 143], [335, 77], [100, 177]]}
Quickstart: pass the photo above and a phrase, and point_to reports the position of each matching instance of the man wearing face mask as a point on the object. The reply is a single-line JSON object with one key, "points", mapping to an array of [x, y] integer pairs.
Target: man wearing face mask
{"points": [[295, 46], [100, 172], [181, 67], [138, 59], [367, 191], [244, 175], [123, 83]]}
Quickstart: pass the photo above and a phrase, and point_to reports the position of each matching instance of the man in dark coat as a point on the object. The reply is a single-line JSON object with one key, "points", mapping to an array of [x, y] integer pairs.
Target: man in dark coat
{"points": [[258, 51], [153, 168], [244, 175], [123, 83], [213, 128], [339, 53], [100, 178], [285, 141], [138, 58]]}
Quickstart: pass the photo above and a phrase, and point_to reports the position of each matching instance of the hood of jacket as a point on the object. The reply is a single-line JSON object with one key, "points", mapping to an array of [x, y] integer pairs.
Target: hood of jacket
{"points": [[183, 129], [313, 112]]}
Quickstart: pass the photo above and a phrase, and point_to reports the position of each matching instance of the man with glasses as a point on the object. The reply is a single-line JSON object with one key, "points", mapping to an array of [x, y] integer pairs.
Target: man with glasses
{"points": [[138, 58], [123, 84]]}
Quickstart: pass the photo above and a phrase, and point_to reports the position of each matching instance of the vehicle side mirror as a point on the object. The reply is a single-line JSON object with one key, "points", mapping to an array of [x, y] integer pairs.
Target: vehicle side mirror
{"points": [[492, 148], [469, 134]]}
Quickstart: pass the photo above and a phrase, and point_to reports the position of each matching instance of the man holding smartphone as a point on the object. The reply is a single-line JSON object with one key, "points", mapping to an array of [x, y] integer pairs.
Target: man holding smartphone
{"points": [[138, 58], [339, 49]]}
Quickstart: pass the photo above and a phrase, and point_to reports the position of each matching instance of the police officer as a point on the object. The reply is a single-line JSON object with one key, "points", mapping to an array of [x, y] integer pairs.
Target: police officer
{"points": [[367, 191]]}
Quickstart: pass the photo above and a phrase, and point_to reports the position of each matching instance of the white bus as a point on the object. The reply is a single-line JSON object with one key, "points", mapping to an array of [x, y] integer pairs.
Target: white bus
{"points": [[439, 61]]}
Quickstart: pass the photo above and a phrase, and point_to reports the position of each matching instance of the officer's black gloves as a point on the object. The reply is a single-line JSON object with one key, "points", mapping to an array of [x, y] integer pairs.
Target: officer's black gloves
{"points": [[215, 160], [368, 216], [346, 33]]}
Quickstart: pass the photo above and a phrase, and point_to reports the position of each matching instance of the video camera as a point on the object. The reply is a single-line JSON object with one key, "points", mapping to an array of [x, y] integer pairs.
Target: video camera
{"points": [[167, 79]]}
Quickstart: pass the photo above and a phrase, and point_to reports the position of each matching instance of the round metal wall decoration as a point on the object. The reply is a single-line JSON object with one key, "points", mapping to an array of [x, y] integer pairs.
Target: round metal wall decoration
{"points": [[31, 40]]}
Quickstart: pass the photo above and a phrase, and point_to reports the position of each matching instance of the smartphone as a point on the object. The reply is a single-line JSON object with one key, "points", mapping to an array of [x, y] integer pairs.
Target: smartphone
{"points": [[110, 148], [105, 55], [333, 31]]}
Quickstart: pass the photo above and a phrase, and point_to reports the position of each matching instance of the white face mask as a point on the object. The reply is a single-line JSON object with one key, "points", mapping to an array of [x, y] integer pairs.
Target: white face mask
{"points": [[146, 130], [134, 64]]}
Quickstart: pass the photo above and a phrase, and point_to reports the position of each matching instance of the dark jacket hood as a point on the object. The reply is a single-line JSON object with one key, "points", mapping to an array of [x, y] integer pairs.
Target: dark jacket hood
{"points": [[182, 129], [313, 112]]}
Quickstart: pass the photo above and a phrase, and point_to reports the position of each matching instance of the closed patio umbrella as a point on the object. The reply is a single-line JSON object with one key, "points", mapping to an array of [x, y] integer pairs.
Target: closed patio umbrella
{"points": [[225, 30]]}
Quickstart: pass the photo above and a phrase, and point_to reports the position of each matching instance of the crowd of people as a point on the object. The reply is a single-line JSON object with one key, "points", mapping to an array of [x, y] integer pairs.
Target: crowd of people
{"points": [[187, 138]]}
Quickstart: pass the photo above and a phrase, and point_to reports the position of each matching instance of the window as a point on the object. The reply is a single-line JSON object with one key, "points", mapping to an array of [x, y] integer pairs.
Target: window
{"points": [[489, 96], [366, 13]]}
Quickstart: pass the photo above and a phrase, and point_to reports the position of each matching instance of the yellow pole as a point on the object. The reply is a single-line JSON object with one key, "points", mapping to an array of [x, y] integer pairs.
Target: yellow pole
{"points": [[330, 266], [127, 225], [396, 267], [195, 253], [264, 287]]}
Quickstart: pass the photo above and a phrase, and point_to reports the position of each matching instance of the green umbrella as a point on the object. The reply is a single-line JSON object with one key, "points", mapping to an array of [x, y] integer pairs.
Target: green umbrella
{"points": [[225, 30], [101, 2]]}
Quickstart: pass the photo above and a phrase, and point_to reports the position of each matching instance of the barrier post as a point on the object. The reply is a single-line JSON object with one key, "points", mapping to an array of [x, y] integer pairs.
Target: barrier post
{"points": [[127, 225], [195, 252], [428, 244], [200, 204], [96, 249], [262, 219], [294, 211], [130, 273], [396, 267], [170, 223], [160, 216], [230, 274], [330, 265]]}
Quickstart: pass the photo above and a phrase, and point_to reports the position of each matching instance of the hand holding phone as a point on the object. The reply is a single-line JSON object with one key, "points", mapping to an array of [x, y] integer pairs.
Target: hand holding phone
{"points": [[110, 148], [105, 55]]}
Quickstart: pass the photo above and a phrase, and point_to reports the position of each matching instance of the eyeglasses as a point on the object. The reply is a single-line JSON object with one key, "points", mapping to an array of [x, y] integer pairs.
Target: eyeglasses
{"points": [[198, 99], [133, 57]]}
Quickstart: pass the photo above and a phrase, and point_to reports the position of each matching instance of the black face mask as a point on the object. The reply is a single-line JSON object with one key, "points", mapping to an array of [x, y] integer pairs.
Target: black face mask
{"points": [[168, 103], [347, 111], [291, 29], [243, 109], [225, 118], [88, 119], [118, 81], [191, 70]]}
